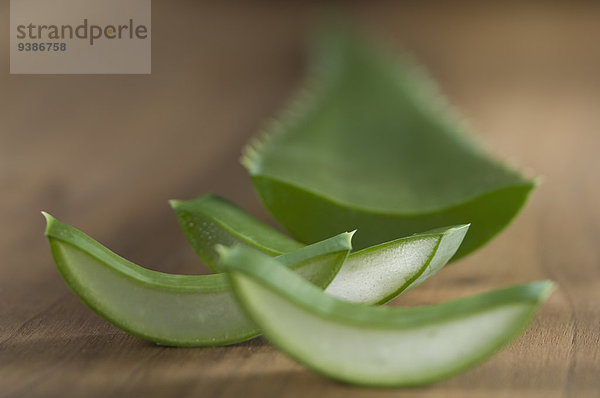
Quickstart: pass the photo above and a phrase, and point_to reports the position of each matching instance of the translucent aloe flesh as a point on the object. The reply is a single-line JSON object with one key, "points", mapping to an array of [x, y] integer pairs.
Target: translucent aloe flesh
{"points": [[380, 273], [373, 276], [376, 346], [179, 310], [368, 146]]}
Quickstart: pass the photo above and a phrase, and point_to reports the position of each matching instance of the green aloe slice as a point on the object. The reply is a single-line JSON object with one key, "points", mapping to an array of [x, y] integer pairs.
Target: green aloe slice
{"points": [[376, 346], [371, 146], [378, 274], [178, 310], [373, 276]]}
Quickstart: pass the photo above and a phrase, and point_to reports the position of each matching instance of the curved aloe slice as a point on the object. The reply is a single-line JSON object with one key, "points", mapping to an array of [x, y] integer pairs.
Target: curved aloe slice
{"points": [[373, 276], [369, 147], [377, 346], [379, 273], [179, 310]]}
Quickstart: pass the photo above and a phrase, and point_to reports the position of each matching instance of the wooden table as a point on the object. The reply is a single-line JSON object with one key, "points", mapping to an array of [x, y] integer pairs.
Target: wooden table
{"points": [[104, 153]]}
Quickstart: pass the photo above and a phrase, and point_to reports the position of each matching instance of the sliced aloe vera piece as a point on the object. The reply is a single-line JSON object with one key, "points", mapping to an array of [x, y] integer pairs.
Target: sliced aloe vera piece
{"points": [[370, 146], [209, 220], [178, 310], [376, 346], [373, 276], [380, 273]]}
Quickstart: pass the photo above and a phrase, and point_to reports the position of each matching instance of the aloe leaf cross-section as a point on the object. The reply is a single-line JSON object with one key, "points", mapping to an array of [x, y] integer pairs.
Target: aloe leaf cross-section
{"points": [[169, 309], [376, 345], [370, 145], [373, 275]]}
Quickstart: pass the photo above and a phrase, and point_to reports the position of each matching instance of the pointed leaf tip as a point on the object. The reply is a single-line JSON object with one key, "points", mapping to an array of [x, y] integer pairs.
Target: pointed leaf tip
{"points": [[50, 220], [175, 203]]}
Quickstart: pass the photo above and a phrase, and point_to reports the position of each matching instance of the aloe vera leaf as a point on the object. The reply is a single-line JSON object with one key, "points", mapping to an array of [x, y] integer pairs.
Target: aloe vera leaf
{"points": [[369, 145], [373, 276], [177, 310], [376, 346], [209, 220]]}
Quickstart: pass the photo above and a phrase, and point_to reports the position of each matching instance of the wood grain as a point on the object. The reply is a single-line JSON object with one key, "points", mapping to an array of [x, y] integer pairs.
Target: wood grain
{"points": [[104, 153]]}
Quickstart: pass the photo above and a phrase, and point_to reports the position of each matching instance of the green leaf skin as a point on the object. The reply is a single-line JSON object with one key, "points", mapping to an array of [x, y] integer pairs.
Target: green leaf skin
{"points": [[209, 220], [372, 276], [377, 346], [487, 214], [175, 310], [371, 146]]}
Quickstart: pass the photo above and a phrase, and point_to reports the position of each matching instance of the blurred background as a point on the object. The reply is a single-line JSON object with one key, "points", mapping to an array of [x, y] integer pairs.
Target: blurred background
{"points": [[105, 153]]}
